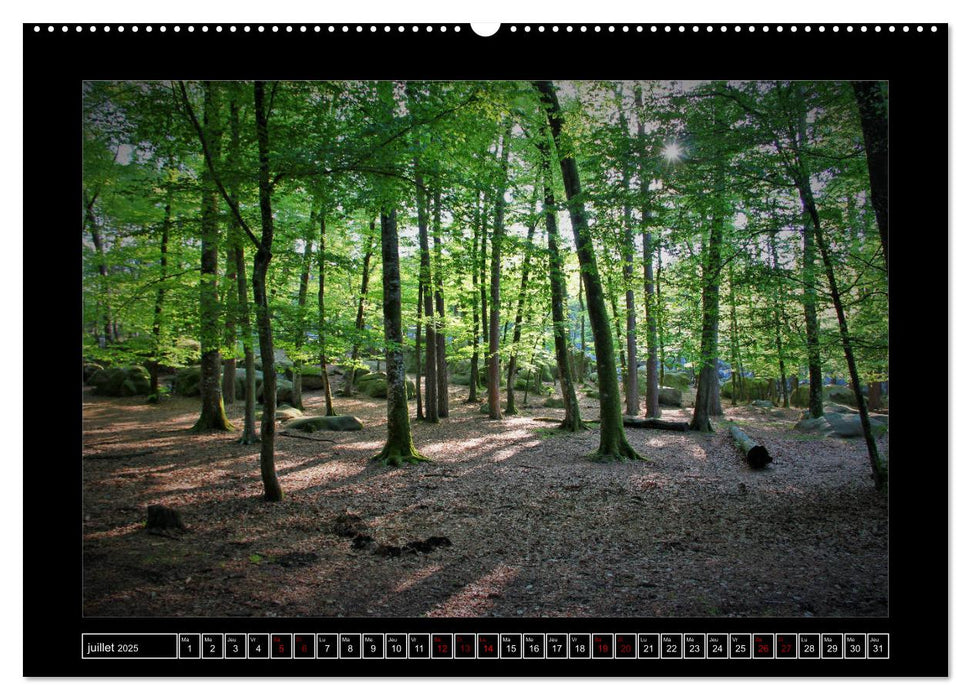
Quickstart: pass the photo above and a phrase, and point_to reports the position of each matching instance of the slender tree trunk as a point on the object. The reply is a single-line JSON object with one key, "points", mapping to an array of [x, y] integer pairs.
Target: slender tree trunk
{"points": [[229, 302], [399, 448], [301, 331], [474, 365], [321, 315], [495, 409], [359, 321], [873, 119], [159, 300], [652, 409], [558, 296], [440, 363], [99, 250], [518, 324], [213, 413], [483, 290], [780, 299], [733, 341], [707, 401], [874, 396], [243, 322], [271, 486], [613, 440], [425, 275], [659, 308], [630, 386], [419, 412]]}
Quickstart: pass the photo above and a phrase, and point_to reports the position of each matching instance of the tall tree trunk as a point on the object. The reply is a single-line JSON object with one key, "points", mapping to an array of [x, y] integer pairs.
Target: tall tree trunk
{"points": [[873, 119], [321, 315], [877, 468], [440, 363], [261, 263], [474, 365], [160, 299], [652, 409], [707, 401], [243, 321], [659, 307], [518, 323], [498, 232], [301, 330], [558, 296], [419, 412], [229, 324], [399, 448], [780, 299], [630, 385], [359, 321], [213, 413], [613, 440], [99, 250], [425, 275], [483, 289], [733, 340]]}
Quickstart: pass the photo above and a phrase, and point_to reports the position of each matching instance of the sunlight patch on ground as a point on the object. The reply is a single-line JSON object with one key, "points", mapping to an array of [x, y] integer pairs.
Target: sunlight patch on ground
{"points": [[417, 577], [476, 598]]}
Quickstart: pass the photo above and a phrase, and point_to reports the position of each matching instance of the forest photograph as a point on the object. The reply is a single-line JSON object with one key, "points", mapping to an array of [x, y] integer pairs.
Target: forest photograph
{"points": [[516, 349]]}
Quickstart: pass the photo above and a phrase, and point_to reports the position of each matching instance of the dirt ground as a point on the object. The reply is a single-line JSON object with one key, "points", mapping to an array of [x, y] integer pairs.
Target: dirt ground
{"points": [[536, 529]]}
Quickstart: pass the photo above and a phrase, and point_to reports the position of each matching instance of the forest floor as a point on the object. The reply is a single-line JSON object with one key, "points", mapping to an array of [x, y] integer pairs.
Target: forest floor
{"points": [[536, 528]]}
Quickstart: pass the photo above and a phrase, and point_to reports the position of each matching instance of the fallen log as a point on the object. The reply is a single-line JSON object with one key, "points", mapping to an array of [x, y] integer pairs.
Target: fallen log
{"points": [[654, 424], [755, 454], [306, 437]]}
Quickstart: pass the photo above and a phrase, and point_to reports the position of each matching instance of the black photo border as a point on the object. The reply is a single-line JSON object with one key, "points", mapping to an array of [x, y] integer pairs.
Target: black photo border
{"points": [[913, 58]]}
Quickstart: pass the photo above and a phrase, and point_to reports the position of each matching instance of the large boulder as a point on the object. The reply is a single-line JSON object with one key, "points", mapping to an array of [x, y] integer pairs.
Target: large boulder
{"points": [[676, 380], [309, 376], [121, 381], [286, 412], [187, 381], [241, 381], [666, 396], [315, 423], [849, 425], [813, 425], [378, 388], [284, 390], [750, 388], [89, 370], [800, 396], [840, 394], [553, 402]]}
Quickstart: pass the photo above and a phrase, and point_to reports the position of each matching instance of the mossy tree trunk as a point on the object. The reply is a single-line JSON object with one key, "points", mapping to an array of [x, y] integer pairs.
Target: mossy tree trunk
{"points": [[613, 440], [558, 295], [399, 448], [213, 413]]}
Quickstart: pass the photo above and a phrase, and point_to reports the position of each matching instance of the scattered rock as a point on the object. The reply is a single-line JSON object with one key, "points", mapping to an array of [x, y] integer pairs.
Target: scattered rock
{"points": [[666, 396], [335, 423], [164, 521], [121, 381]]}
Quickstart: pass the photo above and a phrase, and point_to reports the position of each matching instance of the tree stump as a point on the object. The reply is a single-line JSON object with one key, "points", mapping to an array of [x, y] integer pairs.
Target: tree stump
{"points": [[755, 454]]}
